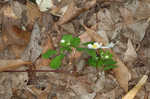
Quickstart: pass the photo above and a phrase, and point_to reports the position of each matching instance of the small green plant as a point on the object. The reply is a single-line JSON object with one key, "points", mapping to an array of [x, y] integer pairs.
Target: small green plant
{"points": [[98, 57]]}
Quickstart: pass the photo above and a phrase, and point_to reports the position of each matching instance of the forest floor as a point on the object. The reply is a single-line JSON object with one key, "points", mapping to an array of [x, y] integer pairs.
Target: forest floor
{"points": [[28, 30]]}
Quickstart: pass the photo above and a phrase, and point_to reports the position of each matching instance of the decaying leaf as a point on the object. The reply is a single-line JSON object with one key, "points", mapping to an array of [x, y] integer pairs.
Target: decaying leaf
{"points": [[39, 93], [127, 15], [73, 11], [11, 64], [122, 73], [9, 12], [132, 93], [33, 12], [17, 8], [130, 54], [33, 50], [13, 36]]}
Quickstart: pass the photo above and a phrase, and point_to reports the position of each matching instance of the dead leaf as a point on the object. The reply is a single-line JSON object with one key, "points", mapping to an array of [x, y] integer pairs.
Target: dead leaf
{"points": [[107, 95], [72, 11], [11, 64], [33, 12], [17, 8], [34, 49], [122, 73], [132, 93], [85, 38], [130, 54], [127, 15], [8, 12], [39, 93]]}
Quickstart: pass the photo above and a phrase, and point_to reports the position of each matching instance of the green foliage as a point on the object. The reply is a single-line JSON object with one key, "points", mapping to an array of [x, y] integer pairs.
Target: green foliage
{"points": [[48, 53], [103, 59], [100, 58], [56, 62]]}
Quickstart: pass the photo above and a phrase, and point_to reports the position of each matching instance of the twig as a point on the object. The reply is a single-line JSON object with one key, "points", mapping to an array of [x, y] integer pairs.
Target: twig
{"points": [[57, 71]]}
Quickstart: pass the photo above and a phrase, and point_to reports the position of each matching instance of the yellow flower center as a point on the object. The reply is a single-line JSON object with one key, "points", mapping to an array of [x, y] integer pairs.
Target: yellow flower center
{"points": [[94, 46]]}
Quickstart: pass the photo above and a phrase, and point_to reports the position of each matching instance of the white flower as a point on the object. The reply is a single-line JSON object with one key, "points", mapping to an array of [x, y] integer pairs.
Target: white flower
{"points": [[90, 46], [109, 45], [94, 46], [62, 41]]}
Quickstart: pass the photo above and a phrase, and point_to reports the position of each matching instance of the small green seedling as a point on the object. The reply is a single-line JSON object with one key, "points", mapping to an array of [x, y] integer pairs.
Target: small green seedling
{"points": [[98, 57]]}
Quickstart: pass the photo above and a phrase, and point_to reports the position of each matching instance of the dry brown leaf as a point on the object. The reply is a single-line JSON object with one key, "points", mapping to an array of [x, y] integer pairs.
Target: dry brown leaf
{"points": [[132, 93], [39, 93], [73, 11], [8, 12], [17, 8], [32, 12], [122, 73], [127, 15], [130, 54], [11, 64], [13, 37]]}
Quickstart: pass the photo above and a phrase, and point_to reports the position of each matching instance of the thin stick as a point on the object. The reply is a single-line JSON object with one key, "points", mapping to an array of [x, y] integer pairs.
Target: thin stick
{"points": [[58, 71]]}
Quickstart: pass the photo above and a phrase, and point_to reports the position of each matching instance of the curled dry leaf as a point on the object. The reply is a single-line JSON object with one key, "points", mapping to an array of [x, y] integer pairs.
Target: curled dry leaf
{"points": [[72, 11], [122, 73], [132, 93]]}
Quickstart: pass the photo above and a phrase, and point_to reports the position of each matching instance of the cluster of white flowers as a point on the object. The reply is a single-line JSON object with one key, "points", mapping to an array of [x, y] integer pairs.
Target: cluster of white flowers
{"points": [[95, 45], [99, 45]]}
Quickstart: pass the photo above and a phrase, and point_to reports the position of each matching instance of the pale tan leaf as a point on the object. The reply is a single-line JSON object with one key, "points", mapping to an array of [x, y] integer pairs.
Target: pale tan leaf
{"points": [[127, 15], [12, 64], [130, 54], [9, 12], [132, 93], [32, 12], [122, 73]]}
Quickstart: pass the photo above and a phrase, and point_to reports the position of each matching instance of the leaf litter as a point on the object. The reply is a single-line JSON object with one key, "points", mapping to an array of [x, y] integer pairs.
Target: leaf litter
{"points": [[27, 30]]}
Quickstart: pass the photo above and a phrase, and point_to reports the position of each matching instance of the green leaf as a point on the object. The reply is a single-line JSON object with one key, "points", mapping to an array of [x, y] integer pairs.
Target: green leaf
{"points": [[65, 49], [103, 54], [81, 49], [67, 38], [92, 62], [91, 52], [109, 62], [100, 63], [75, 42], [87, 43], [109, 67], [56, 62], [49, 53]]}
